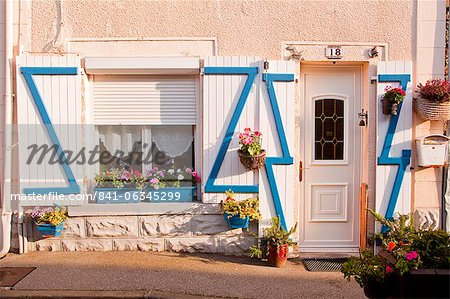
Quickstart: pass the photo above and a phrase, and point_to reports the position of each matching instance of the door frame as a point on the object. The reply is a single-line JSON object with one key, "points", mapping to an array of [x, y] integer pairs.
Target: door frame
{"points": [[364, 154]]}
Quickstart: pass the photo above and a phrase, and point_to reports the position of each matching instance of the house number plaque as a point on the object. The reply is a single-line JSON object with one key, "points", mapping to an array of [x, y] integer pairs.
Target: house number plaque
{"points": [[333, 52]]}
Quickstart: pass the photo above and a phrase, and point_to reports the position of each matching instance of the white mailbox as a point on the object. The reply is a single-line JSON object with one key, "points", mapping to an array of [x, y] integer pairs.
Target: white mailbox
{"points": [[432, 150]]}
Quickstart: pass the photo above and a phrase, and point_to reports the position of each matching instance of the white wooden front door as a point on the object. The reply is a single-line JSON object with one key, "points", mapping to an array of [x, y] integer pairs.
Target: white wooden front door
{"points": [[331, 150]]}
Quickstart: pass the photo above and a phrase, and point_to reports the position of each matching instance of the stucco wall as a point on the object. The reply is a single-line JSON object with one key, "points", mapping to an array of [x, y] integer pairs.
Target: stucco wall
{"points": [[254, 28], [412, 29]]}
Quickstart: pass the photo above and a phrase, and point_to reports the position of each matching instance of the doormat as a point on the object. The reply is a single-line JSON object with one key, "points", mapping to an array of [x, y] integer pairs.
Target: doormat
{"points": [[9, 276], [324, 265]]}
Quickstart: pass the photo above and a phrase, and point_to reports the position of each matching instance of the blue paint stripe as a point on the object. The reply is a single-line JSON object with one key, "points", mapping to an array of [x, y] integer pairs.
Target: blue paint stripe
{"points": [[251, 73], [286, 158], [28, 73], [49, 70], [384, 158]]}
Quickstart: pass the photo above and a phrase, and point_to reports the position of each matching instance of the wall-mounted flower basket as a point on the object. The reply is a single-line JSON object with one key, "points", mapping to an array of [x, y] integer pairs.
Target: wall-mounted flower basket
{"points": [[388, 107], [117, 195], [391, 99], [239, 214], [168, 195], [433, 101], [252, 162], [235, 221], [250, 154], [431, 110], [49, 230], [129, 195]]}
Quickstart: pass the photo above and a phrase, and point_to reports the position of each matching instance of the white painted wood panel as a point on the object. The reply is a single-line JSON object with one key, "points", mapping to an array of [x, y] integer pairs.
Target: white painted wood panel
{"points": [[284, 174], [220, 96], [385, 174], [61, 96]]}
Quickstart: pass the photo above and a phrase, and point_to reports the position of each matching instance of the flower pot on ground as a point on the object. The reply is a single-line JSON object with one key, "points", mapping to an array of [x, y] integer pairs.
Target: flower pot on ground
{"points": [[274, 244], [406, 251], [433, 100], [49, 221], [391, 100], [277, 255], [238, 214], [250, 154]]}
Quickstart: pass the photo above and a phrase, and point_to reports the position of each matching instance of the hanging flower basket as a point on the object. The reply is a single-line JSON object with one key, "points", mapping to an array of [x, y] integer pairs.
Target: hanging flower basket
{"points": [[252, 162], [235, 221], [433, 101], [432, 110], [391, 99], [48, 230], [389, 108]]}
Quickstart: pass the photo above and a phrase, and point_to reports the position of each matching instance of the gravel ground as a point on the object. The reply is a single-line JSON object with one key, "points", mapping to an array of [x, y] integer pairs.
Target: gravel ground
{"points": [[171, 275]]}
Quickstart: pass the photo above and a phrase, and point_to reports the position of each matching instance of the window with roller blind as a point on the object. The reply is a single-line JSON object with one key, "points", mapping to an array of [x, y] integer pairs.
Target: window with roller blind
{"points": [[145, 122]]}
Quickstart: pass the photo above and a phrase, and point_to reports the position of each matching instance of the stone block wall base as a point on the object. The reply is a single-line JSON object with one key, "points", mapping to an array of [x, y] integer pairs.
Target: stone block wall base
{"points": [[176, 233]]}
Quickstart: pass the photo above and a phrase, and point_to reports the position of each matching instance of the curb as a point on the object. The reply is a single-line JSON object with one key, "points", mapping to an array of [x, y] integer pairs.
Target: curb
{"points": [[75, 294]]}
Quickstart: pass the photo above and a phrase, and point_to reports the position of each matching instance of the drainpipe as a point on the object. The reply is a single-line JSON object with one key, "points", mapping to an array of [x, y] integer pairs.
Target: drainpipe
{"points": [[5, 203]]}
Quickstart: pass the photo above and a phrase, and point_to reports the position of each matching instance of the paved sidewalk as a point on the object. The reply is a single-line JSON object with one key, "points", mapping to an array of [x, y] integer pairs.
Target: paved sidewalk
{"points": [[169, 275]]}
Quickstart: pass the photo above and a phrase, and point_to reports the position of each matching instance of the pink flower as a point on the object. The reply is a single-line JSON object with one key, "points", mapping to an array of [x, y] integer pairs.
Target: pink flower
{"points": [[247, 130], [154, 181], [258, 134], [388, 269], [125, 175], [188, 170], [411, 255], [137, 173], [196, 176], [241, 136]]}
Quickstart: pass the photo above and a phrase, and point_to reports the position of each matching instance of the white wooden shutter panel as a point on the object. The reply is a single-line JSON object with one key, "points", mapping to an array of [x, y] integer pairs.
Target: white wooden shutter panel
{"points": [[220, 97], [63, 100], [402, 140], [144, 100]]}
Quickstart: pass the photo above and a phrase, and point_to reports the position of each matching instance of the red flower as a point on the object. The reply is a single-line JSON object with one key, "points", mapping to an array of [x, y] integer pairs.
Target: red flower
{"points": [[391, 246], [258, 133], [388, 269], [247, 130]]}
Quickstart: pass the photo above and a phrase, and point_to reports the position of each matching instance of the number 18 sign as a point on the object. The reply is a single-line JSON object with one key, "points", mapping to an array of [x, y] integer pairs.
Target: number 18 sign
{"points": [[333, 52]]}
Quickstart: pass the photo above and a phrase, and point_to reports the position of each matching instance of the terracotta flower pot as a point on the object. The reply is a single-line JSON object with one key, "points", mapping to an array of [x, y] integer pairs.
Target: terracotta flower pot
{"points": [[277, 257]]}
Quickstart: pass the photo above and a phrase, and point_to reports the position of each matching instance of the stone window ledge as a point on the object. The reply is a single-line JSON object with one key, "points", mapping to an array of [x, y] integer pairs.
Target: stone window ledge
{"points": [[144, 209]]}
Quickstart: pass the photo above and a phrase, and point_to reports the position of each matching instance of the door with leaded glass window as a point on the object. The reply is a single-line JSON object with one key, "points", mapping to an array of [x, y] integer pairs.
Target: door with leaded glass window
{"points": [[331, 149]]}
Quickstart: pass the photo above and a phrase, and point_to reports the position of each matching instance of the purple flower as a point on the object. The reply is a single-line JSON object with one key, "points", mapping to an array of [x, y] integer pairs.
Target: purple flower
{"points": [[160, 173], [155, 168]]}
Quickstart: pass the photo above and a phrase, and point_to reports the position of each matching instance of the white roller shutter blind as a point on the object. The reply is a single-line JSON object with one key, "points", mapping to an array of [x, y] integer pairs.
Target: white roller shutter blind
{"points": [[144, 100]]}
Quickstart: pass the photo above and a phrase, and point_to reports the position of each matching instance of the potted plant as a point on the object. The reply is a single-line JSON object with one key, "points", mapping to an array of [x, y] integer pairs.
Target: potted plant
{"points": [[49, 221], [171, 185], [119, 185], [391, 99], [274, 244], [250, 154], [122, 185], [433, 100], [239, 214], [401, 269]]}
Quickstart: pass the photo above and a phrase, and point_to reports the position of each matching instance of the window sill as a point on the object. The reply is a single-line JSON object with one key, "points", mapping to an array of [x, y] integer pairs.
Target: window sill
{"points": [[188, 208]]}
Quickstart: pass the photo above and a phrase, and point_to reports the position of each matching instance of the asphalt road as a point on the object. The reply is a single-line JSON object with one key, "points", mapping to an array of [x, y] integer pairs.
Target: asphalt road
{"points": [[169, 275]]}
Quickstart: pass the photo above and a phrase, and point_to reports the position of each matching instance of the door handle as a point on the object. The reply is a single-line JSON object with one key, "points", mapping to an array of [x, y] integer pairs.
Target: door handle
{"points": [[300, 170]]}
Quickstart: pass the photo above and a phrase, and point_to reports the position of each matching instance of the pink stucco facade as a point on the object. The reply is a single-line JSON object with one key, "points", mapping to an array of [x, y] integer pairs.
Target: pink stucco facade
{"points": [[403, 30]]}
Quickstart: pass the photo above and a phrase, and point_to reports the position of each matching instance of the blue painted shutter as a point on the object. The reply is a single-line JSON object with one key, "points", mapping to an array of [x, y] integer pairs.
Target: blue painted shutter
{"points": [[236, 96], [60, 104], [394, 141]]}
